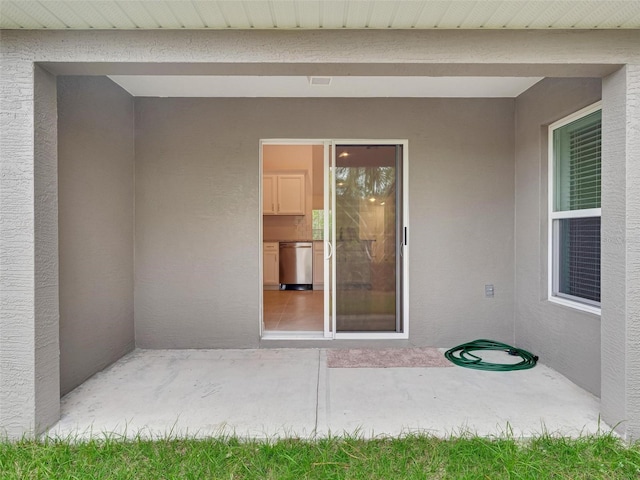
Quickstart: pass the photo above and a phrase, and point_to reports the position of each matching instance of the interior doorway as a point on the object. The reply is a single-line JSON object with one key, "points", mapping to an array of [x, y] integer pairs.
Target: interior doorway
{"points": [[335, 239], [293, 237]]}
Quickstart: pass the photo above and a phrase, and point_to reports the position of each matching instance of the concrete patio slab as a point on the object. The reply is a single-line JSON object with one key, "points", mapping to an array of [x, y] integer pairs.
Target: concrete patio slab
{"points": [[291, 392], [453, 401], [249, 393]]}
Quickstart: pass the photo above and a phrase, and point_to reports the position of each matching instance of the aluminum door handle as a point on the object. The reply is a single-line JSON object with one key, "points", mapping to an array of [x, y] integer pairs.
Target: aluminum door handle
{"points": [[330, 250]]}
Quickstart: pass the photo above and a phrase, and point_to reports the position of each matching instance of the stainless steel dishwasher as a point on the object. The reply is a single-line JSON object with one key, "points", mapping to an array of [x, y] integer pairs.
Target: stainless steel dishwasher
{"points": [[296, 265]]}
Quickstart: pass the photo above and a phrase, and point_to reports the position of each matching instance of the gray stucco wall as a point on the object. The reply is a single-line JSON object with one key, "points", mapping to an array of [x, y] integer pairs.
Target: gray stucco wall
{"points": [[564, 338], [621, 250], [45, 326], [95, 177], [29, 370], [197, 211]]}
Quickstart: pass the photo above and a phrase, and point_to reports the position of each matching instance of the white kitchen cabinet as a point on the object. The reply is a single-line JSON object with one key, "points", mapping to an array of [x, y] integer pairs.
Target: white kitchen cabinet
{"points": [[269, 199], [318, 265], [283, 194], [270, 264]]}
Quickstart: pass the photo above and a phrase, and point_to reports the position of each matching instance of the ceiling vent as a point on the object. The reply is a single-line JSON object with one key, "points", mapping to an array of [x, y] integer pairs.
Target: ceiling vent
{"points": [[319, 81]]}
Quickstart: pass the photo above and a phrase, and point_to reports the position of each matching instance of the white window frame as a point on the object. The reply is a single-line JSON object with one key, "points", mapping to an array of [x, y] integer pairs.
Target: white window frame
{"points": [[577, 303]]}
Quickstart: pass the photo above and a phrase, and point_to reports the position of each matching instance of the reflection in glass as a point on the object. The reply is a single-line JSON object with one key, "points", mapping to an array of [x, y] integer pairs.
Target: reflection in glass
{"points": [[366, 237]]}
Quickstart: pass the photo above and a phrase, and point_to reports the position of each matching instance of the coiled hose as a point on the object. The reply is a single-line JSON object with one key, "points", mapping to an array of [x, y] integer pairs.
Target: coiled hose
{"points": [[462, 356]]}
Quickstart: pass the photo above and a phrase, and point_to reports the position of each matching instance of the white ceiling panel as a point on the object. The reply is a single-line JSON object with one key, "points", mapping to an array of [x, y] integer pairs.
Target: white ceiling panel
{"points": [[257, 14], [501, 14], [68, 16], [10, 24], [480, 14], [211, 14], [382, 15], [333, 13], [602, 16], [546, 17], [113, 13], [17, 15], [284, 15], [235, 14], [42, 15], [457, 13], [409, 15], [432, 14], [632, 22], [298, 86], [312, 14], [139, 15], [91, 13], [163, 15], [309, 15], [529, 13], [186, 14], [573, 15], [359, 14]]}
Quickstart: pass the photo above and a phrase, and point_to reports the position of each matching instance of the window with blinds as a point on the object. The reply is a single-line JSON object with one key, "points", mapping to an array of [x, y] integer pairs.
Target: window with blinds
{"points": [[575, 213], [577, 155]]}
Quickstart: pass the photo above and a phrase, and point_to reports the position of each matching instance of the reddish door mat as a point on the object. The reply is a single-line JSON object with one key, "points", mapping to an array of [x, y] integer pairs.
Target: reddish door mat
{"points": [[386, 358]]}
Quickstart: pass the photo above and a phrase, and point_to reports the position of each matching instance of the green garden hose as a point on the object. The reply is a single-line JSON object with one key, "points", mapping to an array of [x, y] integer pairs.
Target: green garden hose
{"points": [[462, 356]]}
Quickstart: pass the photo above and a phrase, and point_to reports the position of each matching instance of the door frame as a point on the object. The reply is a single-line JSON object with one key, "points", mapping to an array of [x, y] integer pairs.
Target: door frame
{"points": [[329, 332]]}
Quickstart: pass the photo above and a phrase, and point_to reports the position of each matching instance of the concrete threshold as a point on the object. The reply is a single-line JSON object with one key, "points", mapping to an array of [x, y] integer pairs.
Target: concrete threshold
{"points": [[275, 393]]}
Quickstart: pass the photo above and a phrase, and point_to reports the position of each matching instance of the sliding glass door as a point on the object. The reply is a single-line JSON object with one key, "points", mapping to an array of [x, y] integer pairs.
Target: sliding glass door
{"points": [[354, 200], [366, 238]]}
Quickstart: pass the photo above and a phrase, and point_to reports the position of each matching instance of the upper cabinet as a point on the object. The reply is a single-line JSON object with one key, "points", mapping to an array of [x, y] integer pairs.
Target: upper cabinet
{"points": [[283, 194], [269, 197]]}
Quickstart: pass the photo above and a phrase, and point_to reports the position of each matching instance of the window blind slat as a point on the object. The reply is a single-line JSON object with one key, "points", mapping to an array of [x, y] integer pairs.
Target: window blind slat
{"points": [[577, 148], [580, 257]]}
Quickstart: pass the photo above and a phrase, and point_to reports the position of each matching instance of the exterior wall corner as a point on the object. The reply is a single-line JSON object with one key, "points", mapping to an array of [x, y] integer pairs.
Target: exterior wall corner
{"points": [[620, 400], [29, 386]]}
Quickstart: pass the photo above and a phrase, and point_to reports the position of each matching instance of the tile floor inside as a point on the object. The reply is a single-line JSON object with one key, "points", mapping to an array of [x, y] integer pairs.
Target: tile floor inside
{"points": [[293, 310], [302, 310]]}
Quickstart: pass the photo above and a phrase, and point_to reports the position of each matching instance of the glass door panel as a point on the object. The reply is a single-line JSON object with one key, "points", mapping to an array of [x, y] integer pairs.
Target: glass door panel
{"points": [[367, 202]]}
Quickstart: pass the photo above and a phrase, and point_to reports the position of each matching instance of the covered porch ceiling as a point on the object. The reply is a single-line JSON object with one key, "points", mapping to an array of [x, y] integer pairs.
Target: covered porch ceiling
{"points": [[323, 86], [345, 80], [318, 14], [293, 80]]}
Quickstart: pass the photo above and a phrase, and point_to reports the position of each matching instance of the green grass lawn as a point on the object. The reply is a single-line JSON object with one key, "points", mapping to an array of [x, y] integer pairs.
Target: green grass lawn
{"points": [[419, 457]]}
